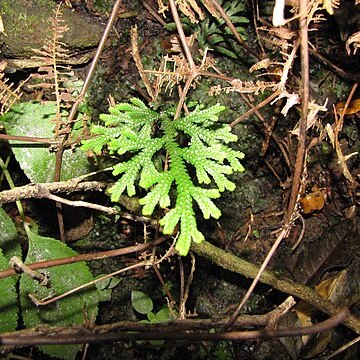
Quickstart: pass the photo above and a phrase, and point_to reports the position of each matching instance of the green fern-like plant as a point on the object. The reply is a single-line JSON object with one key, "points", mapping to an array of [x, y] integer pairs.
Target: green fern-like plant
{"points": [[195, 141]]}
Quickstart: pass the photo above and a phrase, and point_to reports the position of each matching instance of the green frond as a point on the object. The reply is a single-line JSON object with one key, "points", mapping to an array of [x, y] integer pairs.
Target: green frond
{"points": [[183, 243], [102, 137], [159, 194], [128, 131], [202, 116], [170, 220], [127, 180], [203, 198]]}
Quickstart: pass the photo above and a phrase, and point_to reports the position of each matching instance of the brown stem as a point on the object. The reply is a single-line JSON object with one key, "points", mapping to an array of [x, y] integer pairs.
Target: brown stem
{"points": [[165, 287], [182, 37], [86, 257], [192, 65], [73, 111], [255, 108], [299, 159], [300, 156], [28, 139], [88, 336], [233, 263], [39, 191]]}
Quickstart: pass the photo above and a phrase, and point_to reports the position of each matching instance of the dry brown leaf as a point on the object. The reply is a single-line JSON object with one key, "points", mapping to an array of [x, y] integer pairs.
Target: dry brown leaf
{"points": [[353, 40], [191, 10], [211, 8], [353, 107]]}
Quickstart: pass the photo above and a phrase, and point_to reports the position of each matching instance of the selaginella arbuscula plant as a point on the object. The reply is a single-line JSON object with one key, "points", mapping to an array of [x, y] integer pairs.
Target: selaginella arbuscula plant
{"points": [[193, 145]]}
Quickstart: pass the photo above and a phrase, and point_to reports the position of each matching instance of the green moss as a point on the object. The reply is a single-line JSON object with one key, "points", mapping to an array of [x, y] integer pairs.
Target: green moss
{"points": [[27, 26]]}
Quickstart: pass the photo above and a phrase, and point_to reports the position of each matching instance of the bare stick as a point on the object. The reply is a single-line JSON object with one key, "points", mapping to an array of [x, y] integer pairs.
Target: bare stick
{"points": [[88, 336], [73, 111], [233, 263], [192, 65], [117, 272], [86, 257], [299, 164]]}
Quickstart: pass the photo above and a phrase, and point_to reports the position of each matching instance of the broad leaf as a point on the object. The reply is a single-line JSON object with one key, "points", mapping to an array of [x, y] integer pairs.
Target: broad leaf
{"points": [[9, 246], [9, 239], [141, 302], [75, 309], [9, 301], [35, 159], [105, 286]]}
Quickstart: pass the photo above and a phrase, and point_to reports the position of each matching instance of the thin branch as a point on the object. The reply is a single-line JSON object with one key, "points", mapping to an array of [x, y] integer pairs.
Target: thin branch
{"points": [[250, 290], [80, 203], [138, 63], [299, 164], [70, 121], [88, 336], [255, 108], [87, 257], [182, 37], [150, 262], [343, 348], [300, 156], [192, 65], [42, 190], [46, 141], [233, 263]]}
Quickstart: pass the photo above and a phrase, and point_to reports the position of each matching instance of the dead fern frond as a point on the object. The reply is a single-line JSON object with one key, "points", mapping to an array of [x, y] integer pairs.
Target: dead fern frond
{"points": [[55, 74], [244, 87], [8, 94], [189, 8], [174, 70]]}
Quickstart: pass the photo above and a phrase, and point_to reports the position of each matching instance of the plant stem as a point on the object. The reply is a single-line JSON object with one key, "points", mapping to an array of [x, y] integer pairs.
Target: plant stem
{"points": [[18, 203], [233, 263]]}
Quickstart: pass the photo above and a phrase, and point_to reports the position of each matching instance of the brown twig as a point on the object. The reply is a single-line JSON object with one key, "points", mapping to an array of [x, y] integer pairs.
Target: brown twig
{"points": [[165, 287], [42, 190], [186, 290], [150, 262], [299, 164], [87, 257], [193, 68], [233, 263], [343, 348], [70, 121], [300, 156], [88, 336], [138, 63], [46, 141], [255, 108], [338, 71]]}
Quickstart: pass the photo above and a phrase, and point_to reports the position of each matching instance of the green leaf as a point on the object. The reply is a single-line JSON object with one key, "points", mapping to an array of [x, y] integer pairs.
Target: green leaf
{"points": [[105, 287], [9, 308], [163, 315], [67, 311], [151, 316], [36, 120], [141, 302], [9, 239], [9, 247]]}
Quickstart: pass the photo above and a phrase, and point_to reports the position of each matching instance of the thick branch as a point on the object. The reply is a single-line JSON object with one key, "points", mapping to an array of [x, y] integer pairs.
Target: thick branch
{"points": [[87, 336], [233, 263], [39, 191]]}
